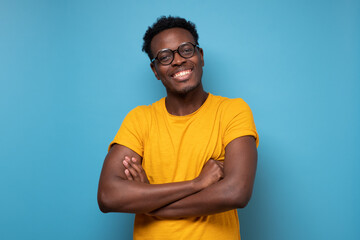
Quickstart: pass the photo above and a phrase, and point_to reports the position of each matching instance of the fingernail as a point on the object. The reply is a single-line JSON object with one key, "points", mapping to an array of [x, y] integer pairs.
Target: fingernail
{"points": [[133, 159], [125, 163]]}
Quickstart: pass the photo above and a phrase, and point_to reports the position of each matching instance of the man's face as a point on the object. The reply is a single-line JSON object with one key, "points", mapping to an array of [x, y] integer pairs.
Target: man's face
{"points": [[182, 75]]}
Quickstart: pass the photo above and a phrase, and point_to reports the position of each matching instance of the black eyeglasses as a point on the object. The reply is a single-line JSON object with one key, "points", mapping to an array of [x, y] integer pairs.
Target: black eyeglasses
{"points": [[166, 56]]}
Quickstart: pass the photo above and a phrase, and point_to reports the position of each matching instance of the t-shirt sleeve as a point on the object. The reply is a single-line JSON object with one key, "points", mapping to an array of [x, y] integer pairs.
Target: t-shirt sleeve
{"points": [[239, 121], [132, 131]]}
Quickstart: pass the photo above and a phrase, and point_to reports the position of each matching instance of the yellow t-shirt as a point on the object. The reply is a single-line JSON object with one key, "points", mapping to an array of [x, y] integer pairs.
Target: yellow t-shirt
{"points": [[175, 148]]}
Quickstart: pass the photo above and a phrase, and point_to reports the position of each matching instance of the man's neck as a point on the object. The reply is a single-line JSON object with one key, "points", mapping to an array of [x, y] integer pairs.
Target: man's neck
{"points": [[181, 105]]}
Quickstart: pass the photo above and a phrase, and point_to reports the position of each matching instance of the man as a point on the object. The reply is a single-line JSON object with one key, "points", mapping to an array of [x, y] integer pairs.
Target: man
{"points": [[186, 162]]}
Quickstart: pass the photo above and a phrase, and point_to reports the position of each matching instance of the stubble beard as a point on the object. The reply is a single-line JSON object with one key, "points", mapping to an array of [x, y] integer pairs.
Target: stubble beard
{"points": [[183, 92], [188, 89]]}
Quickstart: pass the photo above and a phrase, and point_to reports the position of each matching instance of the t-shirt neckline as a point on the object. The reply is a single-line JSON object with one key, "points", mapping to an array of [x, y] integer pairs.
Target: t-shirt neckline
{"points": [[191, 114]]}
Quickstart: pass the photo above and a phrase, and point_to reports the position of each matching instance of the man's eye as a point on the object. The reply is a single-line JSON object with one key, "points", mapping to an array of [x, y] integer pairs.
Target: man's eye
{"points": [[187, 51], [164, 58]]}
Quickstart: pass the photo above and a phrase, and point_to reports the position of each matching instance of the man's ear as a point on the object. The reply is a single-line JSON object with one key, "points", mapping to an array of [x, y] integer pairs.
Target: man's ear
{"points": [[201, 56], [153, 68]]}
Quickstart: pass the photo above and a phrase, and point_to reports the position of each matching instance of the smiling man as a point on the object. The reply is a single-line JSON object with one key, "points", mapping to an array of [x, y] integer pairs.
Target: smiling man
{"points": [[185, 163]]}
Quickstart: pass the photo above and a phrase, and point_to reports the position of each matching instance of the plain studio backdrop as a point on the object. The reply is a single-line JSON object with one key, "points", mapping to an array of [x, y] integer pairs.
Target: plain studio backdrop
{"points": [[71, 70]]}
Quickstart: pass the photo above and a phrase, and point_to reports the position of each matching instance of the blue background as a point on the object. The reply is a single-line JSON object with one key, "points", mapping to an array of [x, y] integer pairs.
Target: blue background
{"points": [[71, 70]]}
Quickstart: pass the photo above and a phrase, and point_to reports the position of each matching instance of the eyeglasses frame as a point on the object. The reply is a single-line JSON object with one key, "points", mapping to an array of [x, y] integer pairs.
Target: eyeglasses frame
{"points": [[173, 52]]}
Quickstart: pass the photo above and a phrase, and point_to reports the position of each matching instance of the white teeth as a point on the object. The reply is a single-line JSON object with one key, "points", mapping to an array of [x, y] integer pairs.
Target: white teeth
{"points": [[182, 73]]}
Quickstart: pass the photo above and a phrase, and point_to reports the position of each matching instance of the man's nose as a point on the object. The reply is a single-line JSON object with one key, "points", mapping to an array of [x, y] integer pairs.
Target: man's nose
{"points": [[178, 59]]}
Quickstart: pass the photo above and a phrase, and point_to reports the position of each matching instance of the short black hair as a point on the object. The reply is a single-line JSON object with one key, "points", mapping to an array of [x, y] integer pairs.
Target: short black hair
{"points": [[163, 23]]}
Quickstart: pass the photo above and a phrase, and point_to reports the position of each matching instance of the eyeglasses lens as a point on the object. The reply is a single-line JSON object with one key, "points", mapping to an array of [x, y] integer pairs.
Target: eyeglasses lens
{"points": [[185, 50], [165, 56]]}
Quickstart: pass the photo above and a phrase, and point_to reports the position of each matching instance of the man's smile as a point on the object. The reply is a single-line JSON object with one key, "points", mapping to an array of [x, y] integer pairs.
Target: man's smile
{"points": [[182, 75]]}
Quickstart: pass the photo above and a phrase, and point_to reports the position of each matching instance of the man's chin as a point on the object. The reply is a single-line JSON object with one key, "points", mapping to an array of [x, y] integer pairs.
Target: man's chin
{"points": [[187, 89]]}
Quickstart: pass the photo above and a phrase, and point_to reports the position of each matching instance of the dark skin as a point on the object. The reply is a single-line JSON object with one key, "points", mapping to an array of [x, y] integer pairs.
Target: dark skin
{"points": [[118, 194], [123, 184], [184, 95]]}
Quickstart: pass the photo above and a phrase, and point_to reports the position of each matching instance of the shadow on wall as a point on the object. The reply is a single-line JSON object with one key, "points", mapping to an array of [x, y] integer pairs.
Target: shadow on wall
{"points": [[255, 219], [117, 226]]}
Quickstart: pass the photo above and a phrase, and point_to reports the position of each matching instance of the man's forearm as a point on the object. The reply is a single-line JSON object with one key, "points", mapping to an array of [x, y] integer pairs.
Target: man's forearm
{"points": [[136, 197], [117, 194], [219, 197]]}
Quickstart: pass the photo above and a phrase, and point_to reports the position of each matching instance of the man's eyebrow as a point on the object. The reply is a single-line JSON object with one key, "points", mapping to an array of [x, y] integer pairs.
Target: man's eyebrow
{"points": [[177, 47]]}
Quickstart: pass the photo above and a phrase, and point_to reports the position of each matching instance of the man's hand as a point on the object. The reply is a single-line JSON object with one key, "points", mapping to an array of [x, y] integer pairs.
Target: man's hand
{"points": [[212, 172], [134, 170]]}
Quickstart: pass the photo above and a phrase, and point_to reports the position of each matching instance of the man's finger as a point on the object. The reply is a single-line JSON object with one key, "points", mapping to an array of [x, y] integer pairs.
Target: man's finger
{"points": [[128, 175], [129, 167], [134, 165], [140, 171], [133, 172]]}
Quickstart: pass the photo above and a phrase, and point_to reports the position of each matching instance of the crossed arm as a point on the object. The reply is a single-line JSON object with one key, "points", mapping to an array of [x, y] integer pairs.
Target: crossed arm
{"points": [[218, 188]]}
